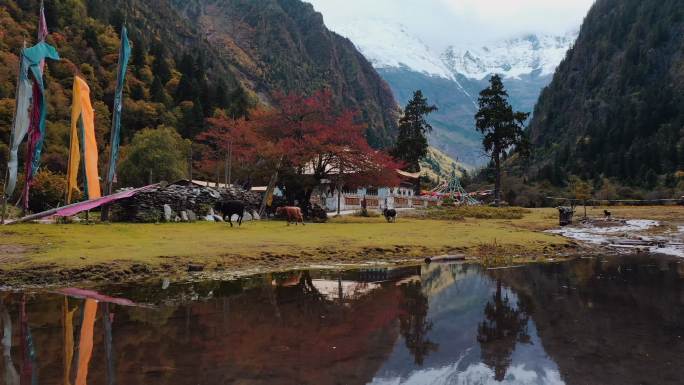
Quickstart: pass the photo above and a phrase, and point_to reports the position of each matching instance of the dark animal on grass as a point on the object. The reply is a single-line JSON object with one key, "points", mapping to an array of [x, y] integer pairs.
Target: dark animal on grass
{"points": [[390, 214], [293, 214], [607, 214], [230, 208]]}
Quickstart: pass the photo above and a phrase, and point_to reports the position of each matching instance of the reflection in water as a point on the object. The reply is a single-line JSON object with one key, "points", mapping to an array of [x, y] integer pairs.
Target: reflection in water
{"points": [[107, 319], [10, 373], [609, 321], [503, 327], [585, 322], [28, 362], [68, 333], [85, 346], [413, 321]]}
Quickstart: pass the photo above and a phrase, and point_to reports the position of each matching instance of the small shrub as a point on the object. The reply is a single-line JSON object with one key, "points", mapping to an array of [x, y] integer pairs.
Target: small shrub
{"points": [[367, 214], [47, 191], [493, 254]]}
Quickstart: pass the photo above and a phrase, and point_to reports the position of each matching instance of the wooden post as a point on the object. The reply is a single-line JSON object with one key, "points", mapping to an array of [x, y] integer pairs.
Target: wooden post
{"points": [[218, 173], [190, 163], [230, 164], [4, 207], [339, 199], [104, 212], [339, 186], [4, 198], [271, 186]]}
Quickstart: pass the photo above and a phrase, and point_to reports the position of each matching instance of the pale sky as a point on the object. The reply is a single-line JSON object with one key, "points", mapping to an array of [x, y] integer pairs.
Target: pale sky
{"points": [[445, 22]]}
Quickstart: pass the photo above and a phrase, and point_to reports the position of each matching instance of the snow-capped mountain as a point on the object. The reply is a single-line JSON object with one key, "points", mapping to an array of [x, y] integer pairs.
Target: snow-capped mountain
{"points": [[390, 45], [452, 78], [512, 58]]}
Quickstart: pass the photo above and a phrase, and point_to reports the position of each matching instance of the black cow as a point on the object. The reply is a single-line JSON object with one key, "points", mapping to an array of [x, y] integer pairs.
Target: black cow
{"points": [[229, 208], [390, 214]]}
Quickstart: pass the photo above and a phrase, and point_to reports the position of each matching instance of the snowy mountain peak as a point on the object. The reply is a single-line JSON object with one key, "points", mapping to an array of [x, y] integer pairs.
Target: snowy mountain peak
{"points": [[512, 58], [388, 44]]}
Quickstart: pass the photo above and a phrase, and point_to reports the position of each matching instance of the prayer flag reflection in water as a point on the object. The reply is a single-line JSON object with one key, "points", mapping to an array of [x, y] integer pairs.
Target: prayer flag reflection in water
{"points": [[591, 321]]}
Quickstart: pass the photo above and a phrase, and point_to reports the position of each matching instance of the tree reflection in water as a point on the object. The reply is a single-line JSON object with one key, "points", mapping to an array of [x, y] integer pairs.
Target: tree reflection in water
{"points": [[11, 376], [413, 322], [503, 327]]}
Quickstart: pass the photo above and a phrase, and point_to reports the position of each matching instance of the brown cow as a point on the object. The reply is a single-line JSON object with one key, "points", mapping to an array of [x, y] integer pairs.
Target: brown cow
{"points": [[293, 213]]}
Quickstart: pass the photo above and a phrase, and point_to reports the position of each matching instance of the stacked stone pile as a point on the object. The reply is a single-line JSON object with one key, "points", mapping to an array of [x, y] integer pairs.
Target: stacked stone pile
{"points": [[178, 202], [251, 199]]}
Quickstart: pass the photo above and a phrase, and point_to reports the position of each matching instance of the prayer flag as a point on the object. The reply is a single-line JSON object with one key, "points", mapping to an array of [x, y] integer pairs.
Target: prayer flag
{"points": [[30, 97], [124, 55], [83, 130], [36, 129]]}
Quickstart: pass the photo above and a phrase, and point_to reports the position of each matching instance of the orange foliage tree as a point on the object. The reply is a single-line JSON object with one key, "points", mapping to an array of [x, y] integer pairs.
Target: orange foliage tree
{"points": [[227, 140], [306, 135]]}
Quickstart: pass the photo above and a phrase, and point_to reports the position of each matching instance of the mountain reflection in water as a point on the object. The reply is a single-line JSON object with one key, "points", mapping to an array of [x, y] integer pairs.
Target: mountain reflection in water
{"points": [[590, 321]]}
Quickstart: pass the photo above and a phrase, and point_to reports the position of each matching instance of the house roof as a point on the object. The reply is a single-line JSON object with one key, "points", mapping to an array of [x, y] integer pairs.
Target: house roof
{"points": [[412, 175]]}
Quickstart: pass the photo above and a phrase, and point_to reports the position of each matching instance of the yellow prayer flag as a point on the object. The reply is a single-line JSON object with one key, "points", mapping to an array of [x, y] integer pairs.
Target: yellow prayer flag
{"points": [[83, 128]]}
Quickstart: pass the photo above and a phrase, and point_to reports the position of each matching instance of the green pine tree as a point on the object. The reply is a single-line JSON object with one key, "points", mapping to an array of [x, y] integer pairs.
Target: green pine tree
{"points": [[412, 144], [160, 67], [502, 128], [238, 104], [157, 91]]}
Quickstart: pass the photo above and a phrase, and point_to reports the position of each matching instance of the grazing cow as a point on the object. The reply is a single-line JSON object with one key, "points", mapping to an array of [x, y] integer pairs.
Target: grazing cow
{"points": [[230, 208], [607, 214], [293, 214], [390, 214]]}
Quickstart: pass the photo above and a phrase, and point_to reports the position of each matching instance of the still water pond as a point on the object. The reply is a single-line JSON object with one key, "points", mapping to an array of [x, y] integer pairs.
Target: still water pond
{"points": [[591, 321]]}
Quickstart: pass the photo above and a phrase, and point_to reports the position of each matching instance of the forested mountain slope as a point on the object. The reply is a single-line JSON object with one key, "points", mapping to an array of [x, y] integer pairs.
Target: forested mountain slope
{"points": [[615, 107], [284, 45], [189, 58]]}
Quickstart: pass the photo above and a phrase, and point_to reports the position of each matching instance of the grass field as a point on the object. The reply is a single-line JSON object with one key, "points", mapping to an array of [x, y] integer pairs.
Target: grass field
{"points": [[45, 250], [264, 244]]}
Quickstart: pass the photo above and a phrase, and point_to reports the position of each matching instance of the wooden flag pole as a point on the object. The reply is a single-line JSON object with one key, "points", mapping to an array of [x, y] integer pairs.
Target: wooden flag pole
{"points": [[4, 198], [104, 215]]}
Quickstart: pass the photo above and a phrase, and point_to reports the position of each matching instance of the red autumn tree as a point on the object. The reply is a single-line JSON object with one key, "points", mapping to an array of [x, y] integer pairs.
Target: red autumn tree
{"points": [[227, 140], [340, 150], [324, 142], [307, 134]]}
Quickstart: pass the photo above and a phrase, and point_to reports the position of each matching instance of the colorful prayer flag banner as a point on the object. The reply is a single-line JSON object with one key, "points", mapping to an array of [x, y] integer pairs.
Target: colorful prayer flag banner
{"points": [[36, 132], [83, 130], [31, 111], [124, 55], [21, 123]]}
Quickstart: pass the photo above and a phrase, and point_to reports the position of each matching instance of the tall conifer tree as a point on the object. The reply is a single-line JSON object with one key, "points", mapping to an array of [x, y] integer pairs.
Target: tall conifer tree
{"points": [[501, 127], [412, 144]]}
